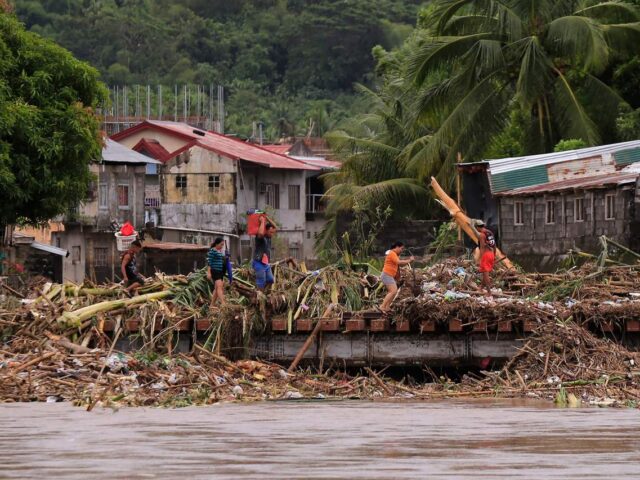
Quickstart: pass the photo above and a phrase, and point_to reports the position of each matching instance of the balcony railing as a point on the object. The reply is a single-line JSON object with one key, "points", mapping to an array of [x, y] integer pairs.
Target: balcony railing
{"points": [[314, 203]]}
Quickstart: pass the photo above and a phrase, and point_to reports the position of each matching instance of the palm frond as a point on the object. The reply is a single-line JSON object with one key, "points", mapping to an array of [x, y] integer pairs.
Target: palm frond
{"points": [[611, 12], [534, 75], [623, 38], [571, 115], [579, 39], [438, 52]]}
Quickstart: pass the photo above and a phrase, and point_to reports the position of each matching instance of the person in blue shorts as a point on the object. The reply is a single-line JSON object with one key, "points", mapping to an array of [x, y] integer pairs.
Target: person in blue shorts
{"points": [[262, 254]]}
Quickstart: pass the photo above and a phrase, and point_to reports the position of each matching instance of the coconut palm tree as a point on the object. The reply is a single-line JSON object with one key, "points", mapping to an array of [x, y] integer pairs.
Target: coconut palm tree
{"points": [[372, 173], [541, 57]]}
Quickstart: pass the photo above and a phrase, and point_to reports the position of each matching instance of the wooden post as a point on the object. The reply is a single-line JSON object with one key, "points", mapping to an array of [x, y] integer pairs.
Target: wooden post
{"points": [[459, 192], [309, 341]]}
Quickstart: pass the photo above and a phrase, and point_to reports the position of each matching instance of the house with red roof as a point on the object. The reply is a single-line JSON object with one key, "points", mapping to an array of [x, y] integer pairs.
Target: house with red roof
{"points": [[208, 181]]}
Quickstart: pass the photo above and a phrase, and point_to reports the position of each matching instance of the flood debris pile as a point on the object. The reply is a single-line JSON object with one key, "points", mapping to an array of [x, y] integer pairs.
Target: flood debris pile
{"points": [[50, 373], [589, 294], [60, 342], [566, 362]]}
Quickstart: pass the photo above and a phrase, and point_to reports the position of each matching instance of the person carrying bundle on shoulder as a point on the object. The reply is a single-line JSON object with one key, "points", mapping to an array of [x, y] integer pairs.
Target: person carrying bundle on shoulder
{"points": [[262, 254], [216, 270], [129, 268], [390, 272]]}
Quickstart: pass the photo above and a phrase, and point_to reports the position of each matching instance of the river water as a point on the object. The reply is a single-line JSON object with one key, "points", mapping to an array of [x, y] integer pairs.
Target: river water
{"points": [[320, 440]]}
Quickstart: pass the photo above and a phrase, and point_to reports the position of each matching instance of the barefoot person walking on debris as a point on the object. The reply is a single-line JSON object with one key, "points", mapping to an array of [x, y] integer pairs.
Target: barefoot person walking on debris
{"points": [[487, 245], [216, 269], [390, 272], [262, 254], [129, 268]]}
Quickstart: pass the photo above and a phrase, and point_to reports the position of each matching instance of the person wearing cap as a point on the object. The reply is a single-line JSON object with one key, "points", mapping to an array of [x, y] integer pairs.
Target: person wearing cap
{"points": [[487, 245]]}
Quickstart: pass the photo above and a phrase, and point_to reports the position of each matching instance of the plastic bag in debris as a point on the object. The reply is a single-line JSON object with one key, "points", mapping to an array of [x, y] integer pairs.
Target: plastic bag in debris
{"points": [[460, 272], [429, 286], [291, 395], [451, 296], [117, 362]]}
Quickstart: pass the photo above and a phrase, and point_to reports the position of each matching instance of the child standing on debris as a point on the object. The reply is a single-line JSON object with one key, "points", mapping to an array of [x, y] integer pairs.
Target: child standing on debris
{"points": [[129, 268], [390, 271], [487, 244], [216, 269], [262, 254]]}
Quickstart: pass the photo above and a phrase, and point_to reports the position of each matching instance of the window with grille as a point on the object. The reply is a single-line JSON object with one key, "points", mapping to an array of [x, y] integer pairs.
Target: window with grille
{"points": [[308, 234], [518, 215], [609, 207], [578, 209], [181, 182], [103, 195], [100, 257], [551, 212], [272, 195], [294, 197], [294, 252], [214, 183], [123, 195]]}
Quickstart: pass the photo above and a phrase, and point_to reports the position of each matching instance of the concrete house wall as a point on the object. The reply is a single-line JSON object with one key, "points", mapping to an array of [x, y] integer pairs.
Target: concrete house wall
{"points": [[537, 239], [197, 207], [87, 235], [291, 221]]}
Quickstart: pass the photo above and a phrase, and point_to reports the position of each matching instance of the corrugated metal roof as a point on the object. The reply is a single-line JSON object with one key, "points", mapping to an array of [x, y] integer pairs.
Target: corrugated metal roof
{"points": [[515, 163], [50, 249], [584, 183], [153, 148], [282, 149], [221, 144], [523, 177], [169, 246], [627, 157], [113, 152], [320, 162]]}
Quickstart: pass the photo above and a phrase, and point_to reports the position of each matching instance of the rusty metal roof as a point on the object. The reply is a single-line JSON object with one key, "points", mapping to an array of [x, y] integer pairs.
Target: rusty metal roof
{"points": [[506, 174], [584, 183], [221, 144], [169, 246], [282, 149]]}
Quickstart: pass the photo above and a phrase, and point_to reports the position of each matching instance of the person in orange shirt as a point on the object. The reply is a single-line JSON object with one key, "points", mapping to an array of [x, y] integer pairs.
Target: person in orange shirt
{"points": [[392, 264]]}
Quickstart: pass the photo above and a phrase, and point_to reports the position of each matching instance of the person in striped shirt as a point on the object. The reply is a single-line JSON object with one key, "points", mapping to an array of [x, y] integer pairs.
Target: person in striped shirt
{"points": [[216, 268]]}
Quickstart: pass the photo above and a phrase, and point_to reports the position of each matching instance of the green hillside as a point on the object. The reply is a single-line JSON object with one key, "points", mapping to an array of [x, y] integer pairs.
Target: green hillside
{"points": [[282, 62]]}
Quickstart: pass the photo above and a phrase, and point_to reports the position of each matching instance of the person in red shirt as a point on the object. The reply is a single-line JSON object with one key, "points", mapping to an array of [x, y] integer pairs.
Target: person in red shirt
{"points": [[392, 264], [487, 244]]}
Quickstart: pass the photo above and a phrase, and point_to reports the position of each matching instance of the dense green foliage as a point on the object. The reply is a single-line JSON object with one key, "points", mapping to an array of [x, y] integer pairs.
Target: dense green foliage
{"points": [[48, 130], [283, 62], [487, 79]]}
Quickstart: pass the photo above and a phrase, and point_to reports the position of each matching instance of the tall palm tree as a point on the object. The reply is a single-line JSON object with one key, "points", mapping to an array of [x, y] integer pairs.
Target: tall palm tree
{"points": [[542, 57], [372, 173]]}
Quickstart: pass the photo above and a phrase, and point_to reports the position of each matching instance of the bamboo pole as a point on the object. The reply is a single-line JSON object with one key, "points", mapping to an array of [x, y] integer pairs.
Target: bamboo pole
{"points": [[463, 221], [309, 341]]}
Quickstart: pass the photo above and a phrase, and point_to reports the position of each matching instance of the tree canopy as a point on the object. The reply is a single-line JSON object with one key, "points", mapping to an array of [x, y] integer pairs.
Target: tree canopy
{"points": [[48, 131], [281, 61], [487, 79]]}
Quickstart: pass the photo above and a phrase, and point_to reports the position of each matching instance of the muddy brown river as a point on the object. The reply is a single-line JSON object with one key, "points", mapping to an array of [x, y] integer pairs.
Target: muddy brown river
{"points": [[320, 440]]}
